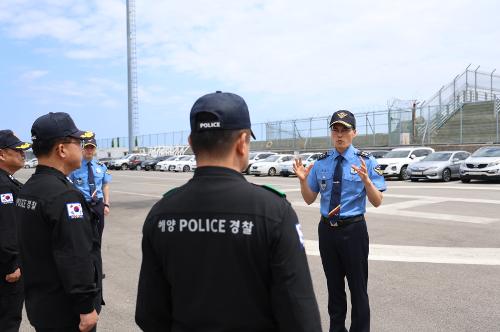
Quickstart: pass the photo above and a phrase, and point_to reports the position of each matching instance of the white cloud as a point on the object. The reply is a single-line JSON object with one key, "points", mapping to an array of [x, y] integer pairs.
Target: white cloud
{"points": [[33, 75], [313, 56]]}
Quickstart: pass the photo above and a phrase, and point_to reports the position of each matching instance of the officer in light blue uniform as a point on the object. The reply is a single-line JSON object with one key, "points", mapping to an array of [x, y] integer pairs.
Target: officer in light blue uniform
{"points": [[93, 179], [344, 177], [353, 196]]}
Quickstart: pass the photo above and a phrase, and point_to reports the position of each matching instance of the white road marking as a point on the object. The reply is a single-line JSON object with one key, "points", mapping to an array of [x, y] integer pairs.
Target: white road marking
{"points": [[416, 254], [461, 186]]}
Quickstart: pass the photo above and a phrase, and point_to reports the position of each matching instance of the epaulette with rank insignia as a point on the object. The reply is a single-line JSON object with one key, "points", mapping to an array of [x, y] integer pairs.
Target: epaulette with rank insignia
{"points": [[273, 190], [364, 154], [323, 156], [170, 191]]}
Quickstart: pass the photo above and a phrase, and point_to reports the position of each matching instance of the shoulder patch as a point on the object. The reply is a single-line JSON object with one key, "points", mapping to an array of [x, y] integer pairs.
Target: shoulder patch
{"points": [[273, 190], [75, 210], [171, 191], [364, 154], [378, 170], [323, 156], [7, 198]]}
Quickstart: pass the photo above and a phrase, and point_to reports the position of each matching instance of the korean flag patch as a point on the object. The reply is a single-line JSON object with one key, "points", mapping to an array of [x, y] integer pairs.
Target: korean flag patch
{"points": [[7, 198], [75, 210]]}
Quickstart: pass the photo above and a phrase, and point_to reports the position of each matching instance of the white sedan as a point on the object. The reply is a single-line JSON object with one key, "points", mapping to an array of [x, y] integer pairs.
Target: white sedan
{"points": [[307, 159], [270, 166], [185, 165], [164, 165]]}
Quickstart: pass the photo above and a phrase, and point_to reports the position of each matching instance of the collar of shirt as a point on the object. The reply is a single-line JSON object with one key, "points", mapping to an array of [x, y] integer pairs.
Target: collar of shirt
{"points": [[85, 162], [217, 171], [42, 169], [348, 154]]}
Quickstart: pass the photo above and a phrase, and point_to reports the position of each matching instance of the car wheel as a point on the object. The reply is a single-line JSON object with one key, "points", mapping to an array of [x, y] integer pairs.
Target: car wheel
{"points": [[465, 180], [272, 171], [286, 175], [413, 180], [138, 167], [446, 175], [403, 174], [147, 168], [124, 166], [185, 168]]}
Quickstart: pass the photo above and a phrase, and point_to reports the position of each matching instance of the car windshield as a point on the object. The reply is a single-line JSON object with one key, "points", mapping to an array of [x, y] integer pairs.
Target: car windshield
{"points": [[252, 155], [487, 152], [438, 156], [397, 154], [185, 158], [272, 158]]}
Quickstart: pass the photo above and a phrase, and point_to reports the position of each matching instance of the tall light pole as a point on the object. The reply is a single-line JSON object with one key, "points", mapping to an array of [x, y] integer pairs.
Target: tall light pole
{"points": [[133, 110]]}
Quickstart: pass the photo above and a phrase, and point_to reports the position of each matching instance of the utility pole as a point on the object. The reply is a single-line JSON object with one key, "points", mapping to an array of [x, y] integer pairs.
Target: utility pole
{"points": [[133, 110]]}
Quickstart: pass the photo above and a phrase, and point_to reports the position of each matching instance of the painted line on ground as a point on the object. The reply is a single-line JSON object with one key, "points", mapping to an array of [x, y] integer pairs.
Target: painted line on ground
{"points": [[417, 254]]}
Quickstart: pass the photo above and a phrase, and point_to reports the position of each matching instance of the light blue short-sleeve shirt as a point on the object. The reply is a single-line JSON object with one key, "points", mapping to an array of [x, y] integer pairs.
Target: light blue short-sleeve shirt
{"points": [[353, 196], [80, 178]]}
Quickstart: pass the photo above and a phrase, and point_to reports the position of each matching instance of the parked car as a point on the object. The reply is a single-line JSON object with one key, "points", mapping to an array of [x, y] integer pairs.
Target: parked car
{"points": [[105, 161], [286, 168], [130, 161], [150, 164], [185, 164], [270, 165], [395, 162], [442, 165], [32, 163], [483, 164], [377, 154], [257, 156], [164, 164]]}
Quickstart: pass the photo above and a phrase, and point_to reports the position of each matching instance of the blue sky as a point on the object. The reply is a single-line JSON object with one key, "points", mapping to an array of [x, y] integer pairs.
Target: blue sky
{"points": [[287, 58]]}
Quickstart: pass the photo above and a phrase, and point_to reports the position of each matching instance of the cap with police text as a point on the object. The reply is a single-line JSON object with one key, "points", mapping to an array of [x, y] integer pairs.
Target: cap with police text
{"points": [[90, 141], [9, 140], [54, 125], [345, 118], [228, 109]]}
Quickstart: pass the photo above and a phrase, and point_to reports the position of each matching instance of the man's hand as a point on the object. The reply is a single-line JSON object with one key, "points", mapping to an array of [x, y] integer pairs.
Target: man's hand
{"points": [[300, 170], [106, 210], [362, 172], [14, 276], [88, 321]]}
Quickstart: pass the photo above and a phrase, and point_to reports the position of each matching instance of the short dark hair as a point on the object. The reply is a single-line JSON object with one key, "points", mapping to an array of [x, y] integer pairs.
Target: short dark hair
{"points": [[216, 143], [44, 148]]}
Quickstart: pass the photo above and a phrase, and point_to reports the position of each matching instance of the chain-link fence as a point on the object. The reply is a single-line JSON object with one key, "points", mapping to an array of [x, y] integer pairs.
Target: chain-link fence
{"points": [[464, 111]]}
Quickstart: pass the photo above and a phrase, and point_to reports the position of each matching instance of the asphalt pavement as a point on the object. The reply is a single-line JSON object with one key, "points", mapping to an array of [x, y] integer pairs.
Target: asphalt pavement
{"points": [[434, 251]]}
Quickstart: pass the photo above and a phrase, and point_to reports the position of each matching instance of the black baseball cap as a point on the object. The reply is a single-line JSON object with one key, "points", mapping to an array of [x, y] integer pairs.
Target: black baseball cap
{"points": [[228, 109], [54, 125], [9, 140], [90, 141], [343, 117]]}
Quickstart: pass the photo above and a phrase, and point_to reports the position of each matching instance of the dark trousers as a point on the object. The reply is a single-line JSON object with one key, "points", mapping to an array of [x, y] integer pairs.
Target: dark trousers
{"points": [[98, 208], [344, 253], [11, 308]]}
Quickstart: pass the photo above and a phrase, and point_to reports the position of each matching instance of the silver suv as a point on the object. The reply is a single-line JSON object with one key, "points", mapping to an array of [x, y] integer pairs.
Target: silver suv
{"points": [[484, 164]]}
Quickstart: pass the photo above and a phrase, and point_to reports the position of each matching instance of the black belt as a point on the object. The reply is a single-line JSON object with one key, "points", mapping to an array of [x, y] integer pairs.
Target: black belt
{"points": [[343, 221]]}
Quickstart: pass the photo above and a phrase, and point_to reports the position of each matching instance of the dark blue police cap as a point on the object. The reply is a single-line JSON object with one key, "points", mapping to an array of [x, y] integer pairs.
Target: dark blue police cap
{"points": [[229, 110], [90, 141], [343, 117], [54, 125], [9, 140]]}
